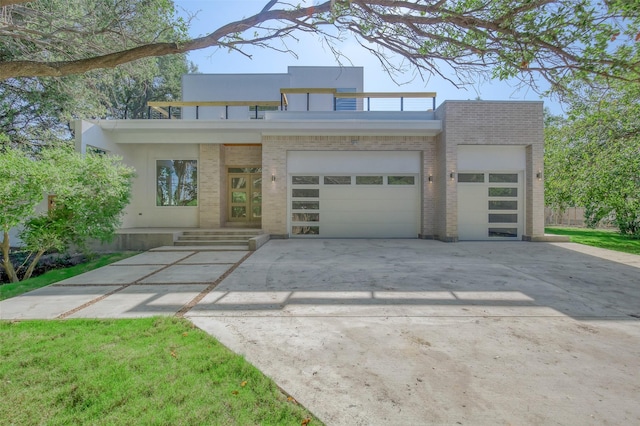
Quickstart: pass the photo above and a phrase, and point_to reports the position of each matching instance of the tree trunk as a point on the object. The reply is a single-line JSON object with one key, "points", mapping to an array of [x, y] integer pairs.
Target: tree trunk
{"points": [[6, 261], [33, 264]]}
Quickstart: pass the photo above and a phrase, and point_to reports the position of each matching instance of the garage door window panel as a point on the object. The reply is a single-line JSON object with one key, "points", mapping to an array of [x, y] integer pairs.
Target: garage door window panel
{"points": [[305, 180], [305, 230], [503, 178], [305, 205], [503, 218], [337, 180], [471, 177], [305, 217], [503, 192], [305, 193], [401, 180], [503, 205], [503, 232], [369, 180]]}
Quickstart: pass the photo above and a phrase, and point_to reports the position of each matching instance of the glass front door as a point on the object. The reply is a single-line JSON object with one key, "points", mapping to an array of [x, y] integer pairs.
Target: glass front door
{"points": [[245, 195]]}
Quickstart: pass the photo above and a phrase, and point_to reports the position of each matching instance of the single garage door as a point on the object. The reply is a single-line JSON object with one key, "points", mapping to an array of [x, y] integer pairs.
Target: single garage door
{"points": [[490, 205], [354, 194]]}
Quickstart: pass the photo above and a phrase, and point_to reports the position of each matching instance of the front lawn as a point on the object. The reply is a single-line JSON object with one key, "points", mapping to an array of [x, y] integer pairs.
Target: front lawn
{"points": [[152, 371], [599, 238], [15, 289]]}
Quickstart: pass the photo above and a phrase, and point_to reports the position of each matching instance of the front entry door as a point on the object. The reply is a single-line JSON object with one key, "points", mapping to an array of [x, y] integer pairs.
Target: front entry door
{"points": [[245, 195]]}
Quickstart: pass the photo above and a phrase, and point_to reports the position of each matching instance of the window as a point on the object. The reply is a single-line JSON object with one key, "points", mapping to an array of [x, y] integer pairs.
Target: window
{"points": [[368, 180], [346, 104], [337, 180], [400, 180], [305, 180], [503, 232], [503, 192], [503, 205], [503, 218], [503, 177], [176, 183], [471, 177], [305, 205], [305, 193]]}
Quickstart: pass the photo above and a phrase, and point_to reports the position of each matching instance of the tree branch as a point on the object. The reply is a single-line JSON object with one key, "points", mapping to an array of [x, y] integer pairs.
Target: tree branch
{"points": [[61, 68]]}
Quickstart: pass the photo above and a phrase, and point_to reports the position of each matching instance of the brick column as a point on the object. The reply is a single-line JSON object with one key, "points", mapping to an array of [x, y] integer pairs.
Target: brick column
{"points": [[209, 190]]}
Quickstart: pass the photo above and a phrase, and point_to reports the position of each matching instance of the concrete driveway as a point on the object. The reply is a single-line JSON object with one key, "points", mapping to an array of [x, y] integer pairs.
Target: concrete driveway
{"points": [[403, 332], [398, 332]]}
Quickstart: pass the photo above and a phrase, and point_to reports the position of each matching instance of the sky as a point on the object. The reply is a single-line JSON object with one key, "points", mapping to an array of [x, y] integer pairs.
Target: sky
{"points": [[211, 14]]}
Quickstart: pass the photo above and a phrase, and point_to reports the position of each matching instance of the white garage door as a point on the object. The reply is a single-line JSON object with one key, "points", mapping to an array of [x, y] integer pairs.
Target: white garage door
{"points": [[354, 194], [490, 205]]}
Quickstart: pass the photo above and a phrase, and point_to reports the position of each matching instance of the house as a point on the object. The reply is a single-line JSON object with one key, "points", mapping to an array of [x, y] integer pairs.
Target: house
{"points": [[310, 154]]}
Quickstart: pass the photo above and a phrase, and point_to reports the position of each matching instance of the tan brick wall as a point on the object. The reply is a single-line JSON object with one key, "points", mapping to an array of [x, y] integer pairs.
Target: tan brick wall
{"points": [[274, 162], [491, 123], [238, 155], [210, 190]]}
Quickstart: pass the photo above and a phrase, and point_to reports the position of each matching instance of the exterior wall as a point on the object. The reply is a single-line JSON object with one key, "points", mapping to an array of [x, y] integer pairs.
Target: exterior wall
{"points": [[266, 87], [492, 123], [210, 189], [242, 156], [143, 212], [274, 162]]}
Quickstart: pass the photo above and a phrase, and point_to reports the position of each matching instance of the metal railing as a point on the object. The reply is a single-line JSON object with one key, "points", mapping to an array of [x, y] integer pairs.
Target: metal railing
{"points": [[341, 101]]}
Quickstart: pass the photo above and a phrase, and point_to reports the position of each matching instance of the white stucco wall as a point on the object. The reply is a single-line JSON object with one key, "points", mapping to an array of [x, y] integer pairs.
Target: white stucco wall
{"points": [[266, 87]]}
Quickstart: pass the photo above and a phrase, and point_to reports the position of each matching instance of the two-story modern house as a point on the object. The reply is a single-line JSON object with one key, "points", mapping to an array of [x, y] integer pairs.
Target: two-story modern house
{"points": [[310, 154]]}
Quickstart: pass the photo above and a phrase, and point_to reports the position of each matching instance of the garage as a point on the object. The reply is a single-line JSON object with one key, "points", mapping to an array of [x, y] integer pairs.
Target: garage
{"points": [[490, 193], [354, 194]]}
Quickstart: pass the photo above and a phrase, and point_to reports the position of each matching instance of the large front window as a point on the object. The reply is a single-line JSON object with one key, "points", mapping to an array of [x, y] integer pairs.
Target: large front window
{"points": [[176, 183]]}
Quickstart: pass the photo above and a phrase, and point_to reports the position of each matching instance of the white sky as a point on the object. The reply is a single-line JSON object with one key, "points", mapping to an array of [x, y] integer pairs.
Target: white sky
{"points": [[211, 14]]}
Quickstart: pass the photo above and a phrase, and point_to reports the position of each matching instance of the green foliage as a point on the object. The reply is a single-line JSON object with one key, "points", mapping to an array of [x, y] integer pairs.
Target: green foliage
{"points": [[151, 371], [40, 111], [23, 182], [126, 90], [592, 158], [91, 192]]}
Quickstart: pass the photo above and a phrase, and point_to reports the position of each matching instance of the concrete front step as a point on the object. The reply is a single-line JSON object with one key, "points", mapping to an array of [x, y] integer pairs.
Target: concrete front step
{"points": [[241, 237], [232, 239], [251, 232], [189, 242], [201, 248]]}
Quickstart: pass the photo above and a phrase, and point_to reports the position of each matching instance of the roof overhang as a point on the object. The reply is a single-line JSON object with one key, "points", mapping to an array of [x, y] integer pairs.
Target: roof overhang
{"points": [[251, 131]]}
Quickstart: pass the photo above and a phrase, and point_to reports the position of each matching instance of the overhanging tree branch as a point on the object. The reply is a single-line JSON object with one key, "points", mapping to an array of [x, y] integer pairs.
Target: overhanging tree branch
{"points": [[463, 40]]}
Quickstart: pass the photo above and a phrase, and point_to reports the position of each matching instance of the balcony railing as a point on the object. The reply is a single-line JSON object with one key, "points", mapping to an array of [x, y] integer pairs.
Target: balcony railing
{"points": [[327, 99]]}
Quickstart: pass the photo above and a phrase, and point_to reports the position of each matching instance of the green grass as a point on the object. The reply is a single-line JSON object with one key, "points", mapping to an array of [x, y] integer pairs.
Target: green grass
{"points": [[50, 277], [152, 371], [599, 238]]}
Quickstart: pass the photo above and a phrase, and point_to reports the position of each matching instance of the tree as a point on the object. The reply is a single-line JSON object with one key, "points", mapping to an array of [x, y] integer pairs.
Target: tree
{"points": [[22, 185], [90, 193], [125, 90], [557, 40], [592, 157]]}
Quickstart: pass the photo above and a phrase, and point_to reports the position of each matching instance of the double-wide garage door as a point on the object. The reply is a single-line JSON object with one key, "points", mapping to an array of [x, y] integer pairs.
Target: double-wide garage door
{"points": [[354, 194]]}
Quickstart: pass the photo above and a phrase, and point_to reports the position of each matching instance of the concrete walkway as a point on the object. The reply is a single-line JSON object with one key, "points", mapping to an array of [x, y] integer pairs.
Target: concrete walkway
{"points": [[164, 281], [399, 332]]}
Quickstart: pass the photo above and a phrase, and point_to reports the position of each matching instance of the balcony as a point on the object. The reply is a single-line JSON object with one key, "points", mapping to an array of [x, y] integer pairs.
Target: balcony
{"points": [[306, 103]]}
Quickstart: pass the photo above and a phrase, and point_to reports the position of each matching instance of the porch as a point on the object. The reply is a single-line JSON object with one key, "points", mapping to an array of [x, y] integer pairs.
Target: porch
{"points": [[205, 239]]}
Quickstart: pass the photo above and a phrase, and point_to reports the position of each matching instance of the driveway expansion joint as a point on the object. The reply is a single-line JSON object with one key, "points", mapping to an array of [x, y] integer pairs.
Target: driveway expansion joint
{"points": [[186, 308], [117, 290]]}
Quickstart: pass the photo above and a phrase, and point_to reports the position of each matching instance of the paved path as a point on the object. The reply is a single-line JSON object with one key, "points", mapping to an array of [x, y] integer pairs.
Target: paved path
{"points": [[399, 332], [165, 281]]}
